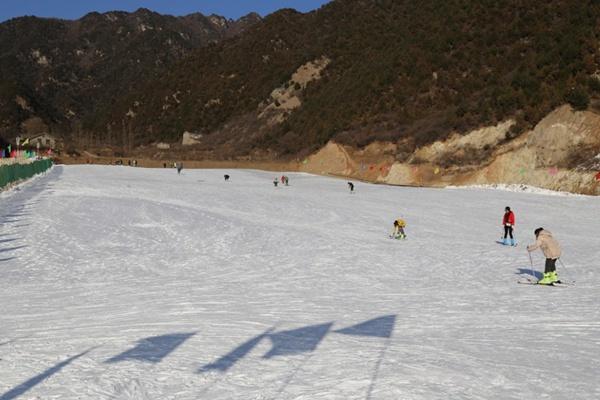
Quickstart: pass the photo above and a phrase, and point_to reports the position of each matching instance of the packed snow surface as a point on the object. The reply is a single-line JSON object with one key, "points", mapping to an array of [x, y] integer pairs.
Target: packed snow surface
{"points": [[126, 283]]}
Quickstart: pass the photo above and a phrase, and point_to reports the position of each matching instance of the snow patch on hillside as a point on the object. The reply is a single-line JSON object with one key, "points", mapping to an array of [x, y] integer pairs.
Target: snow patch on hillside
{"points": [[518, 187]]}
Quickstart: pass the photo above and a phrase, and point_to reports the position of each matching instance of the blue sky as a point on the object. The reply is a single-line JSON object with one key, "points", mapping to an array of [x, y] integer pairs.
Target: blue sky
{"points": [[73, 9]]}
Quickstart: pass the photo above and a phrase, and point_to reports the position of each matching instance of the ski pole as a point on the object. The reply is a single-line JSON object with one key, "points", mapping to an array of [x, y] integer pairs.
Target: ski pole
{"points": [[565, 268], [531, 263]]}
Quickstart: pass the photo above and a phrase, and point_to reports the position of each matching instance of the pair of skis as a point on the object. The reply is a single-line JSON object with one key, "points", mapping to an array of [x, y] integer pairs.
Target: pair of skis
{"points": [[557, 283], [507, 244], [397, 237]]}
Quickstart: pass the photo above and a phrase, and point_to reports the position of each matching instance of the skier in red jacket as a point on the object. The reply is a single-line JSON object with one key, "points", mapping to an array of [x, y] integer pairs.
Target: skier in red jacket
{"points": [[509, 222]]}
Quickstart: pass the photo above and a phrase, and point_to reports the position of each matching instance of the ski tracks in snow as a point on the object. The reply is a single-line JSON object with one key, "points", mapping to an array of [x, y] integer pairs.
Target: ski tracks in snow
{"points": [[124, 283]]}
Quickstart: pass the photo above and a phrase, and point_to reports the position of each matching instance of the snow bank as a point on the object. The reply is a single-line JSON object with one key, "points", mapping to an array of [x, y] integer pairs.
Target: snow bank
{"points": [[16, 186], [518, 187]]}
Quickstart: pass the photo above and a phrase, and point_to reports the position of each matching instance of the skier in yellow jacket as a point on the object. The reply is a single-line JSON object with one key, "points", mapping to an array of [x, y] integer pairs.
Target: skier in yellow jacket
{"points": [[398, 232]]}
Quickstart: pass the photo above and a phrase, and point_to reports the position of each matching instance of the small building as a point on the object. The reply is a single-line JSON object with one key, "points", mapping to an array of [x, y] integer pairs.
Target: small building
{"points": [[45, 140]]}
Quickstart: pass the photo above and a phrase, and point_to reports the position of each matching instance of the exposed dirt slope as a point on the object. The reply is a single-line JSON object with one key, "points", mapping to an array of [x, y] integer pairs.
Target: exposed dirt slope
{"points": [[559, 154]]}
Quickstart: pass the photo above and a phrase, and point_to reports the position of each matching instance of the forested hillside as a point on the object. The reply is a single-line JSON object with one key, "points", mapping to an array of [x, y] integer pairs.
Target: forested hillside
{"points": [[404, 71], [58, 73]]}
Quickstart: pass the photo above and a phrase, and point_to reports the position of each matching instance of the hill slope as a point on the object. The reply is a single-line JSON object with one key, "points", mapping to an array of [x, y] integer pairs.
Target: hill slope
{"points": [[57, 72], [354, 71], [396, 70]]}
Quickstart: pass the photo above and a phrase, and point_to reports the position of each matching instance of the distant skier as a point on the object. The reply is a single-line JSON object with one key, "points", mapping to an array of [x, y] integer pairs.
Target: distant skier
{"points": [[508, 221], [287, 181], [282, 179], [226, 177], [179, 166], [351, 186], [275, 182], [552, 252], [398, 232]]}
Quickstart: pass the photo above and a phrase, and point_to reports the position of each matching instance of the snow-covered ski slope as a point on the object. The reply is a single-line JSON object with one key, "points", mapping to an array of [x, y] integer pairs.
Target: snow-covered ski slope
{"points": [[124, 283]]}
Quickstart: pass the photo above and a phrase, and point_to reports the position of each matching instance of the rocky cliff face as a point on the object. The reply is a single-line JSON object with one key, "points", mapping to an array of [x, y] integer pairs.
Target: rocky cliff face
{"points": [[562, 153]]}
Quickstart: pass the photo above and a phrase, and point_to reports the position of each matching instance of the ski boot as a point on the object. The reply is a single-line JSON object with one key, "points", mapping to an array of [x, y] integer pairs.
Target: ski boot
{"points": [[512, 242], [505, 241], [546, 280], [554, 277]]}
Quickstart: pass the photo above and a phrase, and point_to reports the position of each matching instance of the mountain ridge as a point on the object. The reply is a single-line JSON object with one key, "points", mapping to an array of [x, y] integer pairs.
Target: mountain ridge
{"points": [[59, 70], [392, 76]]}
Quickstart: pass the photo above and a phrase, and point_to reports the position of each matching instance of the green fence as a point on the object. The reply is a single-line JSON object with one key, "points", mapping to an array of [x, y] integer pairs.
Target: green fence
{"points": [[16, 172]]}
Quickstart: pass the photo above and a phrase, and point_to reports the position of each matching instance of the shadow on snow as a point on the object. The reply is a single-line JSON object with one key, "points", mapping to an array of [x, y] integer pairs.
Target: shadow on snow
{"points": [[24, 200], [4, 250], [31, 383], [378, 327], [300, 340], [228, 360], [297, 341], [304, 340], [529, 271], [153, 349]]}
